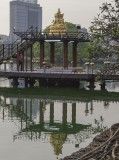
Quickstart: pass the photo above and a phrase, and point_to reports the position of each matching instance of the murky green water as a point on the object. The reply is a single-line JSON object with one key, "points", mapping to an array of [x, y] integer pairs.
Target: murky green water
{"points": [[48, 129]]}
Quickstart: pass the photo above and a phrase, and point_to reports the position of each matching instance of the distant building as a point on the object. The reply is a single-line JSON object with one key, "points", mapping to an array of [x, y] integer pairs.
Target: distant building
{"points": [[4, 39], [84, 30], [78, 26], [24, 14]]}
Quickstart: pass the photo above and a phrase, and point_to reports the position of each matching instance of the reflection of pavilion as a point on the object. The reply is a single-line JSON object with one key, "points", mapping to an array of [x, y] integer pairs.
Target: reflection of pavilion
{"points": [[34, 126]]}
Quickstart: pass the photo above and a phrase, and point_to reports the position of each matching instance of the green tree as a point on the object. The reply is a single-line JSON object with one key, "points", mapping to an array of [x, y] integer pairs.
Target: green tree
{"points": [[105, 32]]}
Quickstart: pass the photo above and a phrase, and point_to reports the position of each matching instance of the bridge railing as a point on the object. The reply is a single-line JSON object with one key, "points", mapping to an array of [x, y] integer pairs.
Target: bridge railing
{"points": [[35, 34], [7, 50]]}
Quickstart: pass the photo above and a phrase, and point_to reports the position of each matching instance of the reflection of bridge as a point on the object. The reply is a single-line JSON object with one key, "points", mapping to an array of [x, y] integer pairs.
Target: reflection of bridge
{"points": [[26, 111], [36, 120], [30, 119]]}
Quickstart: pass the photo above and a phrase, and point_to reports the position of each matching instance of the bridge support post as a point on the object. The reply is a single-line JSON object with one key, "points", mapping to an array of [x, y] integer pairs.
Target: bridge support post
{"points": [[91, 84], [102, 85], [26, 82], [74, 55], [15, 82], [52, 51], [65, 55], [43, 82], [31, 82], [41, 53]]}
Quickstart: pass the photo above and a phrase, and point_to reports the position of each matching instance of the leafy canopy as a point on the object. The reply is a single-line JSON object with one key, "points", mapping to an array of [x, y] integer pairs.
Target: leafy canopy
{"points": [[105, 31]]}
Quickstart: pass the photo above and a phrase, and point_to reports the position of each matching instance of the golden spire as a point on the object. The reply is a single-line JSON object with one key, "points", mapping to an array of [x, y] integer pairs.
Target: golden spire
{"points": [[58, 26], [57, 140]]}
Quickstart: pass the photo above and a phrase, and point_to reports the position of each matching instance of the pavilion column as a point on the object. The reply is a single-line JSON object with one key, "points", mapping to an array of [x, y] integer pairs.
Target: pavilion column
{"points": [[41, 119], [52, 51], [21, 124], [74, 113], [41, 53], [26, 109], [64, 117], [86, 110], [65, 56], [31, 110], [74, 55], [51, 112]]}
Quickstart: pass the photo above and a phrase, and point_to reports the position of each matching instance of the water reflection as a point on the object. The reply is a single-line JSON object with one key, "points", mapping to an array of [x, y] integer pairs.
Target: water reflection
{"points": [[31, 116], [54, 122]]}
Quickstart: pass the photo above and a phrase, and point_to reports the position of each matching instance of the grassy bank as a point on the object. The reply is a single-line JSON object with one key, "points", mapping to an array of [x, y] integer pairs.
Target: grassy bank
{"points": [[66, 93]]}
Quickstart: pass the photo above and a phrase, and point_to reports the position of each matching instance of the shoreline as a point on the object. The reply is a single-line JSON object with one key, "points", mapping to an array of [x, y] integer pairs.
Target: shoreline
{"points": [[61, 93], [104, 146]]}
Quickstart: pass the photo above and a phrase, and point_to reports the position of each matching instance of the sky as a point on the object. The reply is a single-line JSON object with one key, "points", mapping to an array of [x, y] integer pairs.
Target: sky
{"points": [[75, 11]]}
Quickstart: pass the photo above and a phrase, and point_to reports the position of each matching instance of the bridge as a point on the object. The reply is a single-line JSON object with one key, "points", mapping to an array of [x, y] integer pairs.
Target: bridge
{"points": [[29, 127], [46, 73], [57, 77], [10, 54]]}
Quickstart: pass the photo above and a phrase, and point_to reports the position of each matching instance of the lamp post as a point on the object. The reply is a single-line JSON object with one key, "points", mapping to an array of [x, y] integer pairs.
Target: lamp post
{"points": [[33, 62], [44, 66], [72, 64], [106, 63], [4, 62], [37, 63], [92, 64], [87, 67], [11, 63], [106, 67]]}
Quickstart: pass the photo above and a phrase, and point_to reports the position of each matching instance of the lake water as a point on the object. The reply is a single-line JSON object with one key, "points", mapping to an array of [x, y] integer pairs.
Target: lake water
{"points": [[50, 129]]}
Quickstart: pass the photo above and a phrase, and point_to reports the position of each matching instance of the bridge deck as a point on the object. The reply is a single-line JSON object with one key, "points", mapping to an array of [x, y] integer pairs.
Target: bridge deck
{"points": [[50, 74], [41, 74]]}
